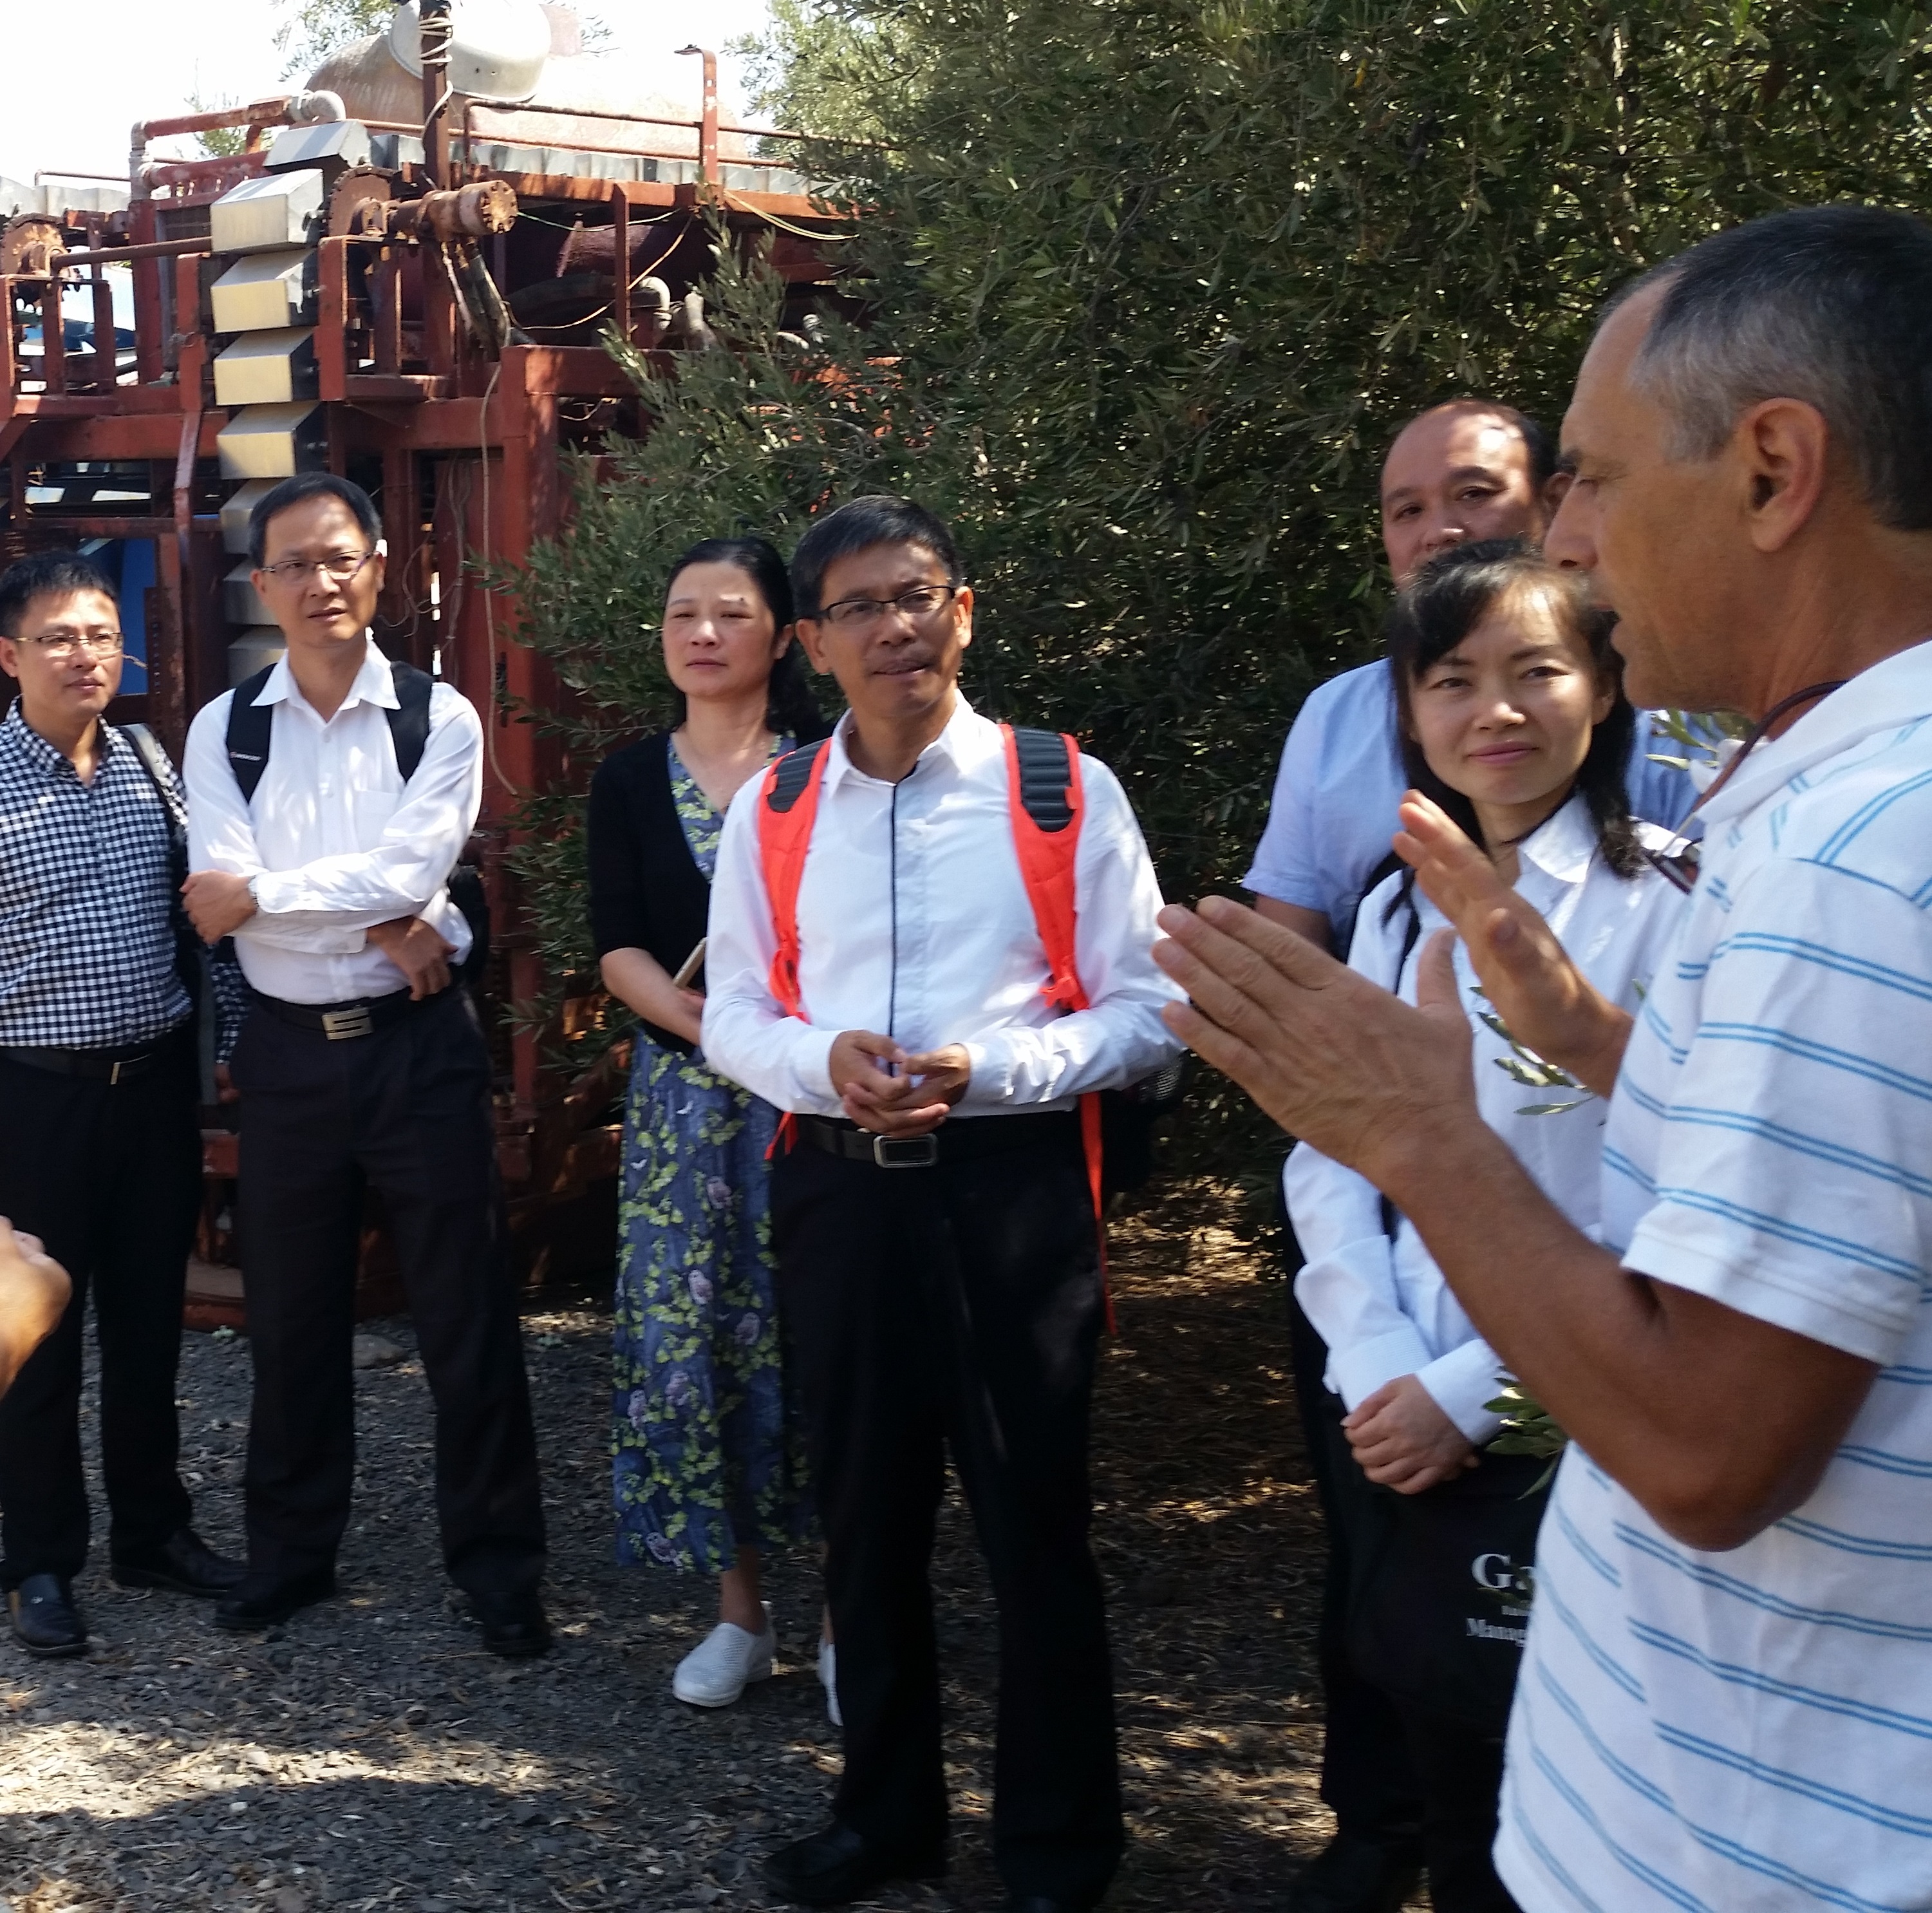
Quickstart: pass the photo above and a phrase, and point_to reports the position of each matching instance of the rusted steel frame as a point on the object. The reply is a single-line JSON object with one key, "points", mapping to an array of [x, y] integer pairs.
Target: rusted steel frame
{"points": [[387, 315], [70, 262], [107, 344], [231, 168], [664, 192], [53, 338], [167, 687], [191, 359], [434, 29], [149, 303], [620, 264], [331, 318], [124, 402], [10, 357], [707, 130], [118, 434]]}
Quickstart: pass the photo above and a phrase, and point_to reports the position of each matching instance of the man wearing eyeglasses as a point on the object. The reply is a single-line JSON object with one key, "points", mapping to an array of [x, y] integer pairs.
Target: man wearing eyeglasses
{"points": [[100, 1139], [932, 1217], [359, 1067]]}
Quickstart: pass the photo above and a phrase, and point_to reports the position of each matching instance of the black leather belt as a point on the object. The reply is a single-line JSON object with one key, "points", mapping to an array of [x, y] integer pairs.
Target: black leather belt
{"points": [[339, 1021], [110, 1066], [957, 1139]]}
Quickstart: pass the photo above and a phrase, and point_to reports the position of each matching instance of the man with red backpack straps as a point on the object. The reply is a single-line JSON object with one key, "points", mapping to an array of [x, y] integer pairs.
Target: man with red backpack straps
{"points": [[929, 945]]}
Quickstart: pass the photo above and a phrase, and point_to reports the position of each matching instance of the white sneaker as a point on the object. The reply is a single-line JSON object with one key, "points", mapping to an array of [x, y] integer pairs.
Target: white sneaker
{"points": [[724, 1663], [828, 1679]]}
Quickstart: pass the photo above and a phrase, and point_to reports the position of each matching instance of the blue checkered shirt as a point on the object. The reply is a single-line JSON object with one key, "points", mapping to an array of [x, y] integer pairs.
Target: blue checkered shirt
{"points": [[87, 952]]}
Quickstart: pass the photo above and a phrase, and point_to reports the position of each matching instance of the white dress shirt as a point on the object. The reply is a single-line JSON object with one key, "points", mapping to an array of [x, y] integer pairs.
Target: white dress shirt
{"points": [[1341, 779], [1382, 1305], [913, 921], [332, 841]]}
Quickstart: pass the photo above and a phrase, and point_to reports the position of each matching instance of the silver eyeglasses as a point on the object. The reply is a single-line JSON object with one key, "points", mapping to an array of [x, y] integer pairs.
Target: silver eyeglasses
{"points": [[918, 603], [64, 643], [340, 566]]}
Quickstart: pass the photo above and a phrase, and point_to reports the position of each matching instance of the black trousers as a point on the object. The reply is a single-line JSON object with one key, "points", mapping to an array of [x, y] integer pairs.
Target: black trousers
{"points": [[406, 1111], [109, 1175], [1456, 1768], [958, 1306], [1368, 1778], [1461, 1769]]}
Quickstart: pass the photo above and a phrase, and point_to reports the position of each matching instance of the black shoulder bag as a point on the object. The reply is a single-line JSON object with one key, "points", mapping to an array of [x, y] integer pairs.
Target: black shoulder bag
{"points": [[212, 977], [1440, 1594]]}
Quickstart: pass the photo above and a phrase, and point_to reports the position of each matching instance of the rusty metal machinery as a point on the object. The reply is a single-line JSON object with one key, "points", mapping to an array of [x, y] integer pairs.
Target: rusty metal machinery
{"points": [[368, 298]]}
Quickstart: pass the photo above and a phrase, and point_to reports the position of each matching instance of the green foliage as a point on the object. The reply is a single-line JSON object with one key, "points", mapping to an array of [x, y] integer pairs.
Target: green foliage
{"points": [[311, 30], [1156, 279]]}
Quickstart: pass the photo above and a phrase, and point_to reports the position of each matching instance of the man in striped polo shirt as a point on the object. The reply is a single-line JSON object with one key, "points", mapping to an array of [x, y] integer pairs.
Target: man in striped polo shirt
{"points": [[1726, 1700]]}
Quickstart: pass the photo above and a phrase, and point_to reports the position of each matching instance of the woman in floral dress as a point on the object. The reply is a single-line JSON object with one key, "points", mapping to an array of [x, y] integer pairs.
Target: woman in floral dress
{"points": [[708, 1459]]}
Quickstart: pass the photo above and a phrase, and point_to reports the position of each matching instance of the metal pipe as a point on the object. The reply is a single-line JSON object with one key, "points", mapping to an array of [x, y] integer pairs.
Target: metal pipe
{"points": [[110, 255], [434, 31], [47, 172], [707, 127]]}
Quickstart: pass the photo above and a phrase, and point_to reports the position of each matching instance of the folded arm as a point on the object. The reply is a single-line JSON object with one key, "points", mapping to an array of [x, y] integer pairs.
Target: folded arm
{"points": [[325, 906]]}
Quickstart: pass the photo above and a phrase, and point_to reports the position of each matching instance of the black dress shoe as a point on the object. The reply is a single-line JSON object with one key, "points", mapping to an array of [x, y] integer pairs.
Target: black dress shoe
{"points": [[1045, 1903], [1350, 1875], [183, 1563], [45, 1621], [513, 1623], [261, 1601], [827, 1868]]}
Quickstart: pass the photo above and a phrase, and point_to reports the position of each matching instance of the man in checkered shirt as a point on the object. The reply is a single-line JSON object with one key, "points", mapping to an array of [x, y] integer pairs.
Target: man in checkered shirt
{"points": [[99, 1141]]}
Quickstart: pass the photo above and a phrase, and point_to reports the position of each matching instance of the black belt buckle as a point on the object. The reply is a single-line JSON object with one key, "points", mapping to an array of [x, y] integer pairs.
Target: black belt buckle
{"points": [[906, 1152], [338, 1026]]}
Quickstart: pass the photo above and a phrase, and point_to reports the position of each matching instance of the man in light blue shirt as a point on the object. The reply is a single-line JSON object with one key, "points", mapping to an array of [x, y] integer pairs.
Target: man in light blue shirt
{"points": [[1461, 471]]}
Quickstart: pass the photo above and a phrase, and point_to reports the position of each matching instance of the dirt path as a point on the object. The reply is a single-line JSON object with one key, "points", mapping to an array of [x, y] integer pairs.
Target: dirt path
{"points": [[370, 1756]]}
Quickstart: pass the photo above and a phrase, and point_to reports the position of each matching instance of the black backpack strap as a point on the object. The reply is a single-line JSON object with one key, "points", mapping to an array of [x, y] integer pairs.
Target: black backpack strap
{"points": [[409, 722], [1046, 774], [792, 774], [160, 774], [251, 727]]}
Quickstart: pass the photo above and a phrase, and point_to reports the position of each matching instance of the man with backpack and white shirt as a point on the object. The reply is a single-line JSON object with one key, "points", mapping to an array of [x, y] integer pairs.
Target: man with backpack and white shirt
{"points": [[330, 798], [929, 946]]}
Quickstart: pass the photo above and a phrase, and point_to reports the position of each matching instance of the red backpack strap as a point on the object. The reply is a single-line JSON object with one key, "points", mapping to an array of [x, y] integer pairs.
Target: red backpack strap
{"points": [[787, 809], [1044, 794], [1043, 791]]}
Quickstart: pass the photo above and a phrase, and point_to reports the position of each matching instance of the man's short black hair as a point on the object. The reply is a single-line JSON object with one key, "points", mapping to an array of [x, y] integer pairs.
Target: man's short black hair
{"points": [[47, 574], [292, 491], [880, 519]]}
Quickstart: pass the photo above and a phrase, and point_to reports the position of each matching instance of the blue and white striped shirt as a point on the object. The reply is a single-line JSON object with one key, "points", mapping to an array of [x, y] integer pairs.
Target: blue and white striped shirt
{"points": [[1753, 1730]]}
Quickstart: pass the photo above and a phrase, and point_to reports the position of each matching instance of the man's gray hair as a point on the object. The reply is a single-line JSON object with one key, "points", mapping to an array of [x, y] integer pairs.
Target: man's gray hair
{"points": [[1831, 306]]}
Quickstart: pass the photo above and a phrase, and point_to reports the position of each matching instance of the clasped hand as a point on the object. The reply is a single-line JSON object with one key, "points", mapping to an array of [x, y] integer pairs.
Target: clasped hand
{"points": [[1403, 1440], [883, 1089]]}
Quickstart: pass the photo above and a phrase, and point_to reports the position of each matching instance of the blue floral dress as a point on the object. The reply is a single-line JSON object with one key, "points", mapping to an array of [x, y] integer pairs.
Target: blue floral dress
{"points": [[708, 1452]]}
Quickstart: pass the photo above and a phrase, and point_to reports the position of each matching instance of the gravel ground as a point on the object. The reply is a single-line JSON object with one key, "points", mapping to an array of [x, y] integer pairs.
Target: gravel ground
{"points": [[371, 1755]]}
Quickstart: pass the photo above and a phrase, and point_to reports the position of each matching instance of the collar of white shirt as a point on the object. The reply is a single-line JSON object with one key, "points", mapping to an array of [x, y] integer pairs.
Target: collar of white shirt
{"points": [[967, 742], [1886, 697], [374, 683], [1562, 846]]}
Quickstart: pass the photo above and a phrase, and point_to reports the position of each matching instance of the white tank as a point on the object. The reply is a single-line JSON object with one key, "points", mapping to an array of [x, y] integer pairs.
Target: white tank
{"points": [[375, 85], [497, 48]]}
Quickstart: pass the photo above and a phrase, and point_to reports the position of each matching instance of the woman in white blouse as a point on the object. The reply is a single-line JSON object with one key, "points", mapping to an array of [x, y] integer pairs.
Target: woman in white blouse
{"points": [[1510, 717]]}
